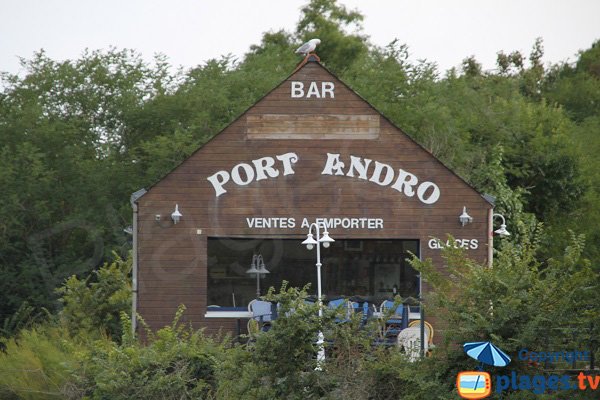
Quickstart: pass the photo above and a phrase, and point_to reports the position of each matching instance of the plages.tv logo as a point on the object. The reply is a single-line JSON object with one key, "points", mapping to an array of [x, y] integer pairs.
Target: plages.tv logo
{"points": [[478, 384], [474, 384]]}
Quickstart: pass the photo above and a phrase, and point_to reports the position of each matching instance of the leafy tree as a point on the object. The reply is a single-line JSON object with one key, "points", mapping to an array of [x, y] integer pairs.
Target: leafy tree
{"points": [[576, 86], [330, 22], [93, 306], [62, 143]]}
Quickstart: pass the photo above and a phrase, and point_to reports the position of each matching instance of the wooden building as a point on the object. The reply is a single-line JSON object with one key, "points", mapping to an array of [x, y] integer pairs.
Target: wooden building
{"points": [[311, 149]]}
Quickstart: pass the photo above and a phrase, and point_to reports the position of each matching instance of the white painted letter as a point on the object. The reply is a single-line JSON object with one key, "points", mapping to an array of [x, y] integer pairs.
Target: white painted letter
{"points": [[235, 174], [288, 159], [356, 164], [389, 174], [327, 87], [406, 180], [313, 90], [434, 244], [433, 197], [297, 89], [218, 183], [333, 163], [263, 165]]}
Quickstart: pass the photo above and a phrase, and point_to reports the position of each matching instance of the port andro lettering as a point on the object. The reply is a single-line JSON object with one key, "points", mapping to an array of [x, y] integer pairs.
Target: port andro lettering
{"points": [[381, 174]]}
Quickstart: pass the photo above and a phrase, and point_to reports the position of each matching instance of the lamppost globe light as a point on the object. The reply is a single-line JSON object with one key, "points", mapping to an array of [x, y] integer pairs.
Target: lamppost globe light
{"points": [[310, 242], [326, 239], [502, 231], [252, 270], [263, 268]]}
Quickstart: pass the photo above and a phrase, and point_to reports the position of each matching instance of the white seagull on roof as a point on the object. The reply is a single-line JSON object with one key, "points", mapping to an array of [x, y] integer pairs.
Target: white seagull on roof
{"points": [[308, 47]]}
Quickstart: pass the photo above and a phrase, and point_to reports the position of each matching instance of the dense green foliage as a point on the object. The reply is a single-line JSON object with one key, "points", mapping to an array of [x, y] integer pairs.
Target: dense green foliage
{"points": [[77, 137], [517, 304], [96, 303]]}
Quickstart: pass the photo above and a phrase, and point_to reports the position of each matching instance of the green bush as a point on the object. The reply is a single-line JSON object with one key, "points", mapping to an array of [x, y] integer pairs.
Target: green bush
{"points": [[281, 363], [37, 364], [175, 363], [518, 303], [93, 305]]}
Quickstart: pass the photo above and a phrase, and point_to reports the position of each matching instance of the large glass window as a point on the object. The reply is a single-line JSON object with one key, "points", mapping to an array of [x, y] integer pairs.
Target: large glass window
{"points": [[373, 269]]}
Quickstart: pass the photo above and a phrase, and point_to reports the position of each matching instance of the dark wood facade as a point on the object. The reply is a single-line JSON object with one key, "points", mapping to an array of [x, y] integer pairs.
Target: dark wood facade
{"points": [[311, 119]]}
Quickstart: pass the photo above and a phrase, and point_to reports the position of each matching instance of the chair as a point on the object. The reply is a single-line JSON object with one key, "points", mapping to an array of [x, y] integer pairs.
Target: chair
{"points": [[428, 329], [334, 304], [365, 308], [396, 322], [263, 313], [340, 304], [409, 339], [398, 316]]}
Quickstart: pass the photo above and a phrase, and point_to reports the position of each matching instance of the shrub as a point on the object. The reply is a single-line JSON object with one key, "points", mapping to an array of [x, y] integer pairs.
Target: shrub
{"points": [[93, 305], [37, 363], [175, 363]]}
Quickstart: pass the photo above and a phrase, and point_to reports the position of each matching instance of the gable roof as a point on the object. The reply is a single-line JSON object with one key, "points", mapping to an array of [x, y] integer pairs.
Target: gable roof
{"points": [[301, 72]]}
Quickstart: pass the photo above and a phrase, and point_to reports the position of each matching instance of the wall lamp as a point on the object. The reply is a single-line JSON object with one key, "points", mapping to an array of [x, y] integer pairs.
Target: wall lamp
{"points": [[465, 218], [176, 215], [502, 230]]}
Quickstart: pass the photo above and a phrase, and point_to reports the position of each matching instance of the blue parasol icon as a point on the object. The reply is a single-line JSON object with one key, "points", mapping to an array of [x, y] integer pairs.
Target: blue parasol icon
{"points": [[486, 353]]}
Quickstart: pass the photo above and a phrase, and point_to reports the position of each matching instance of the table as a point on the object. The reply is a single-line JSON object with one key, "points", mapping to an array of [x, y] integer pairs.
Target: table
{"points": [[227, 312], [411, 316], [243, 313]]}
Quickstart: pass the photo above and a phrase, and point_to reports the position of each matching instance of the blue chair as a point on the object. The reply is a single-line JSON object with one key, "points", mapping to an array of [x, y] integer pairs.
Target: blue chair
{"points": [[363, 307], [397, 316], [263, 312], [398, 319], [336, 303], [339, 304]]}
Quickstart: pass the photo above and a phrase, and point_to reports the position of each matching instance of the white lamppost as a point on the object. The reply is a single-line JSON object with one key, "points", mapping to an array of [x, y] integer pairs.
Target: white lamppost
{"points": [[257, 268], [310, 242]]}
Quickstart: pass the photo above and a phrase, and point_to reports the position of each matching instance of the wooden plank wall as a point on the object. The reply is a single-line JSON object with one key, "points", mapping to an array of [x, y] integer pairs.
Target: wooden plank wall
{"points": [[172, 258]]}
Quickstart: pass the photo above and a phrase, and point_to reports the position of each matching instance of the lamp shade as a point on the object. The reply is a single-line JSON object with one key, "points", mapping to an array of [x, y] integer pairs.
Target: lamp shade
{"points": [[326, 239], [465, 218], [263, 269], [253, 269], [502, 231], [309, 242]]}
